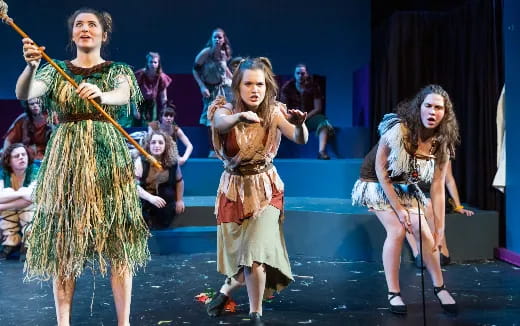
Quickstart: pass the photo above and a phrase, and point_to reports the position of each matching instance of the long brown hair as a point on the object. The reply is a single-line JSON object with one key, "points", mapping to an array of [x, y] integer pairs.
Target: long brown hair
{"points": [[265, 108], [168, 157], [226, 46], [446, 134]]}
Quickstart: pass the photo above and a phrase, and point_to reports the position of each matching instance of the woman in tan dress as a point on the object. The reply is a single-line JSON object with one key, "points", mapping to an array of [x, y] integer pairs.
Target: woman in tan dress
{"points": [[249, 206]]}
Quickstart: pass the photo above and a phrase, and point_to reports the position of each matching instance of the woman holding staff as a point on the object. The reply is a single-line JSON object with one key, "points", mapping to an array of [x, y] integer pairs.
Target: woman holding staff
{"points": [[88, 208]]}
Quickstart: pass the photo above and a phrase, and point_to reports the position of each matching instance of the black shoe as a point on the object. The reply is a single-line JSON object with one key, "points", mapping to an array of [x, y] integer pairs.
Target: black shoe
{"points": [[255, 319], [449, 308], [396, 309], [417, 261], [217, 304], [6, 252], [323, 156], [445, 260]]}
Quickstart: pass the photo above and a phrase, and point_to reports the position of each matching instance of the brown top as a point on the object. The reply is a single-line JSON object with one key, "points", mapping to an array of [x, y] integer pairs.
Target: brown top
{"points": [[151, 86], [154, 178], [250, 147], [36, 137]]}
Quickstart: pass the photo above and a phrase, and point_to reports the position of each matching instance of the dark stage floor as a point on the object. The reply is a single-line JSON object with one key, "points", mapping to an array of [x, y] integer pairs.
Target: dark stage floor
{"points": [[325, 293]]}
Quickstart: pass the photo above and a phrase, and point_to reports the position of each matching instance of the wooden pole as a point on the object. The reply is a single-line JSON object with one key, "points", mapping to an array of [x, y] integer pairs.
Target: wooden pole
{"points": [[98, 107]]}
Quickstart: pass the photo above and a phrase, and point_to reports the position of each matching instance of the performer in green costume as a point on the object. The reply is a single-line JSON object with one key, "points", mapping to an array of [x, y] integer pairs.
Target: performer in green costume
{"points": [[88, 210]]}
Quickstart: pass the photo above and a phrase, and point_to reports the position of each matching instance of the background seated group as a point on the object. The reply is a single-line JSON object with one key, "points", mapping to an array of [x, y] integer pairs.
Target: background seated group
{"points": [[161, 193]]}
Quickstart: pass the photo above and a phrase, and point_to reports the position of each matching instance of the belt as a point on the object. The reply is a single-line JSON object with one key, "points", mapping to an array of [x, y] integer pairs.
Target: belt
{"points": [[250, 169], [81, 116]]}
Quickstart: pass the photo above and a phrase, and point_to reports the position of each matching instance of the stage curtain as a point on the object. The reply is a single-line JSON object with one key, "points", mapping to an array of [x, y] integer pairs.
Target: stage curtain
{"points": [[461, 50]]}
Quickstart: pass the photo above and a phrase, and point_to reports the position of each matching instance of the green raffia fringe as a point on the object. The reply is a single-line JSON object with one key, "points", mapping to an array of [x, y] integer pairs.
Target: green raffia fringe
{"points": [[87, 206], [61, 96]]}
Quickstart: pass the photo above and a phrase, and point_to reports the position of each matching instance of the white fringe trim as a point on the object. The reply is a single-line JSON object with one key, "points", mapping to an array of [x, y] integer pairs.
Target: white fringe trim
{"points": [[371, 195], [391, 130]]}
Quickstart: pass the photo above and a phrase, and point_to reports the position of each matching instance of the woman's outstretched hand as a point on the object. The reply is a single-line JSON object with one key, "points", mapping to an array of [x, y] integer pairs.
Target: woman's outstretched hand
{"points": [[249, 117], [296, 117]]}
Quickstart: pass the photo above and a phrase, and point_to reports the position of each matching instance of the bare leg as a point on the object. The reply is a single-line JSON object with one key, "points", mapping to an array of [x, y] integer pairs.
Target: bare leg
{"points": [[429, 218], [444, 248], [413, 246], [323, 137], [395, 234], [63, 292], [255, 283], [431, 258], [233, 283], [121, 281]]}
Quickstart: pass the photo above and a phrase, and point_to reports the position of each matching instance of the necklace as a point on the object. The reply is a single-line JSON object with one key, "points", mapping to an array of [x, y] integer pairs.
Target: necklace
{"points": [[414, 173]]}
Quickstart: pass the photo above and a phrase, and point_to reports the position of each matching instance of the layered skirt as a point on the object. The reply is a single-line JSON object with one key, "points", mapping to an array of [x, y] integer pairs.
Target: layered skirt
{"points": [[259, 239]]}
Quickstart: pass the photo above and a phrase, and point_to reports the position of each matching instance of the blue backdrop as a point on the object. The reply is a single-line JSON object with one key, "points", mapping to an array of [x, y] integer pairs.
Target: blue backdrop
{"points": [[331, 36], [512, 49]]}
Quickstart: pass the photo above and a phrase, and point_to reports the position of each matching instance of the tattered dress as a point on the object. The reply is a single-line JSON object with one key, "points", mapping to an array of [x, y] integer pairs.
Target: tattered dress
{"points": [[249, 203]]}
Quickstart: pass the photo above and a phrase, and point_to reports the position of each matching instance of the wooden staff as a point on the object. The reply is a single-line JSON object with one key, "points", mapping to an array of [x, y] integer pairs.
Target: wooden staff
{"points": [[10, 22]]}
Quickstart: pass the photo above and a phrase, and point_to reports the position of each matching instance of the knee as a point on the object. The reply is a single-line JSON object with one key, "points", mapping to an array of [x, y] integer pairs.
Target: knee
{"points": [[255, 267], [397, 233], [426, 235]]}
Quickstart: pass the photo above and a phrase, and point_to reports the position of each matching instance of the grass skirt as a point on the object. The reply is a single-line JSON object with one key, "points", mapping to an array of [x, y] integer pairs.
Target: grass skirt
{"points": [[88, 210]]}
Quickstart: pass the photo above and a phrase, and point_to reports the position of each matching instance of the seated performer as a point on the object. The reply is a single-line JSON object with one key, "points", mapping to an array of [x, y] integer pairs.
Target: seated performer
{"points": [[161, 191], [303, 93], [17, 180], [168, 125]]}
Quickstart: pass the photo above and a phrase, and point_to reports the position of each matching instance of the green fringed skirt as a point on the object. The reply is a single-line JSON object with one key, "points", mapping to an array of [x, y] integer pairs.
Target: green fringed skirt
{"points": [[87, 205]]}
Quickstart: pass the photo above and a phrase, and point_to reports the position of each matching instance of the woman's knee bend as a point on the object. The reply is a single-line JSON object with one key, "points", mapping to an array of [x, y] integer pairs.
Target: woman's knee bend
{"points": [[397, 233]]}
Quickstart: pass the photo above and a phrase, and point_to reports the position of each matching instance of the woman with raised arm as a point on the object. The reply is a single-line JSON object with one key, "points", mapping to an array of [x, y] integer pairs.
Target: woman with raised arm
{"points": [[87, 205]]}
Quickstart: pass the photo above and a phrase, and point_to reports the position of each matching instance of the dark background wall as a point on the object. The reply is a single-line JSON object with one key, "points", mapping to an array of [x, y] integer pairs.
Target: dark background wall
{"points": [[331, 36], [512, 72]]}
